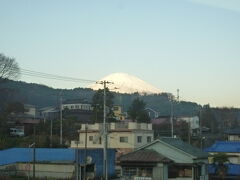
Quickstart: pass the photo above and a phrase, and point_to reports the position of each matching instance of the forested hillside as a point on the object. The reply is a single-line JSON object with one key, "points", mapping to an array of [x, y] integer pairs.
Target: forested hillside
{"points": [[42, 96]]}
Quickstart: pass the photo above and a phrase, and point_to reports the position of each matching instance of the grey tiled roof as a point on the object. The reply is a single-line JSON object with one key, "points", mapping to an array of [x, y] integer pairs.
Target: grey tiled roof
{"points": [[144, 156], [235, 131], [179, 144]]}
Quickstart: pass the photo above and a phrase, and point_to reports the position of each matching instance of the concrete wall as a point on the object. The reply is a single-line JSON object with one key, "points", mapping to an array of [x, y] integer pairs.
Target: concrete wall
{"points": [[60, 171]]}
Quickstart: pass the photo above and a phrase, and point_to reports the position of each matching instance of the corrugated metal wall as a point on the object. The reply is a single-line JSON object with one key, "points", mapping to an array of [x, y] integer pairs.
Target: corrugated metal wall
{"points": [[14, 155]]}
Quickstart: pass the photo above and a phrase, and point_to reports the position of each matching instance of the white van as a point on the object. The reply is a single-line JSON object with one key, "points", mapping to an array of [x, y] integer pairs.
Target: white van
{"points": [[16, 132]]}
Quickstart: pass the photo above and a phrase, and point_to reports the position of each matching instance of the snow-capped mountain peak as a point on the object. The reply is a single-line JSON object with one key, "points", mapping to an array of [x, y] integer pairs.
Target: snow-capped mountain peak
{"points": [[125, 83]]}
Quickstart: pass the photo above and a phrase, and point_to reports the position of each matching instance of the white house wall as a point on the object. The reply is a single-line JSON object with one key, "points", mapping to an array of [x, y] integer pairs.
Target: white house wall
{"points": [[114, 139], [144, 136]]}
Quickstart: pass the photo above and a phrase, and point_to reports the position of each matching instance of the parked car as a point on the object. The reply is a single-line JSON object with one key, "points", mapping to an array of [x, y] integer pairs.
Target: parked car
{"points": [[16, 132]]}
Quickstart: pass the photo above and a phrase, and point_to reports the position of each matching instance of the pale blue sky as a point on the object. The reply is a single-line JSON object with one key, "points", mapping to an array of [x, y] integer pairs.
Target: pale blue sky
{"points": [[192, 45]]}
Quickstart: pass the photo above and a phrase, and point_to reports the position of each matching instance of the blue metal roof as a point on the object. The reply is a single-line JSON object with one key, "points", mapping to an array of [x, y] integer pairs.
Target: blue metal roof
{"points": [[14, 155], [224, 146]]}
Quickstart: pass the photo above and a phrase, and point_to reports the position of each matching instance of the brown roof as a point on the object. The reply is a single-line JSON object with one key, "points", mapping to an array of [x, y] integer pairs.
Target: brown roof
{"points": [[146, 155]]}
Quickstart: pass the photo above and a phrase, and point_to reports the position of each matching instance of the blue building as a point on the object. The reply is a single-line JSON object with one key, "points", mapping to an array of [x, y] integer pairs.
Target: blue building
{"points": [[58, 157], [232, 150]]}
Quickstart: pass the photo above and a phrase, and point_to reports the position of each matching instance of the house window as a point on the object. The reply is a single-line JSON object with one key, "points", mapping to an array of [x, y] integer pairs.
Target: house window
{"points": [[139, 139], [90, 138], [77, 106], [72, 107], [97, 140], [129, 171], [149, 139], [138, 171], [123, 139], [145, 172], [179, 171]]}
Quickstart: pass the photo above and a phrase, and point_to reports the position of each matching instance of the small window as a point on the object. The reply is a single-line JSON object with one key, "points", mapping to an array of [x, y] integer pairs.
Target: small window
{"points": [[77, 106], [149, 139], [90, 138], [72, 107], [97, 140], [123, 139], [139, 139]]}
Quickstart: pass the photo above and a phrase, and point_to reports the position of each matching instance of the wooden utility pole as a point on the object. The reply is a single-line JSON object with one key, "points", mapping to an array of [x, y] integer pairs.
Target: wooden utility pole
{"points": [[34, 150], [171, 116], [85, 154], [61, 123], [105, 131]]}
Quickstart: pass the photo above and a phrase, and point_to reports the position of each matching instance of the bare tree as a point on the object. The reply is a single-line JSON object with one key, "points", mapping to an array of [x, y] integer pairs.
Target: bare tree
{"points": [[9, 68]]}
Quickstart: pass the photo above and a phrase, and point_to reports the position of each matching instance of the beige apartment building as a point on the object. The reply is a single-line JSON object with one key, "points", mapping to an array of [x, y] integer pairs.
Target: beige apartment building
{"points": [[123, 136]]}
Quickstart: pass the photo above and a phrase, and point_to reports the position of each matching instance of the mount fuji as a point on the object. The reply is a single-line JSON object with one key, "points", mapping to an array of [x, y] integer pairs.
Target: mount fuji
{"points": [[125, 83]]}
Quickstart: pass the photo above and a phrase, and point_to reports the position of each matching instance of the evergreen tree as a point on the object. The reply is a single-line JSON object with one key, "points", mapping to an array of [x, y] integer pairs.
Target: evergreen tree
{"points": [[219, 160], [137, 111], [208, 119], [97, 102]]}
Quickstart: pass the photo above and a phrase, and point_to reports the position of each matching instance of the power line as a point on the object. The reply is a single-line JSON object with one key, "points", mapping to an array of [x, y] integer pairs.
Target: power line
{"points": [[27, 72]]}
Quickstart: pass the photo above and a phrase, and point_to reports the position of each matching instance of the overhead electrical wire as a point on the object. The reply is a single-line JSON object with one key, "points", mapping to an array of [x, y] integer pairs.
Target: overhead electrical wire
{"points": [[27, 72]]}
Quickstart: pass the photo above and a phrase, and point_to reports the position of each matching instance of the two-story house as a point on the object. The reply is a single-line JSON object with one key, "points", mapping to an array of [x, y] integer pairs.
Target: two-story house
{"points": [[232, 150], [124, 136], [233, 134]]}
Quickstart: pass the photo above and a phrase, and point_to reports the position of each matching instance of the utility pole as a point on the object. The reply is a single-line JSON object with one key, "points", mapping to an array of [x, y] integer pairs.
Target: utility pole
{"points": [[77, 174], [189, 132], [61, 119], [200, 122], [105, 133], [200, 128], [171, 116], [85, 154], [34, 150], [51, 133]]}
